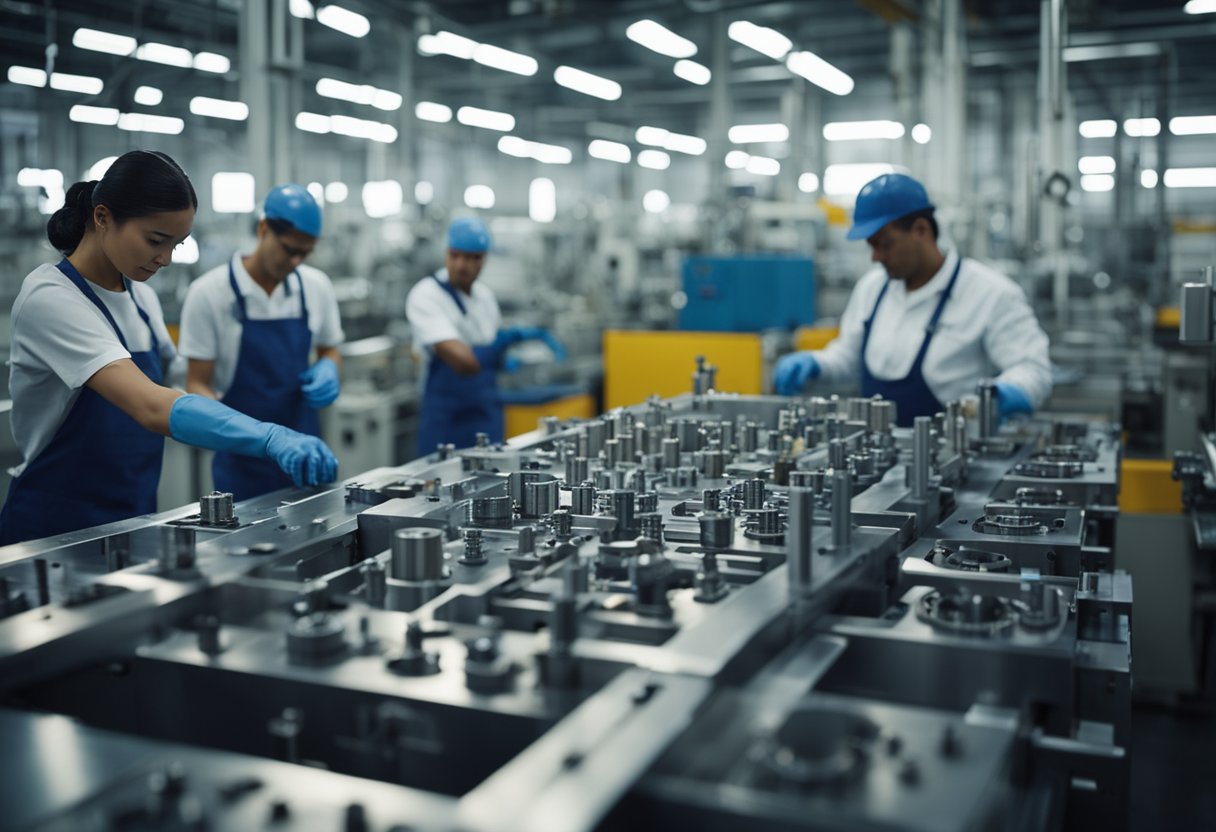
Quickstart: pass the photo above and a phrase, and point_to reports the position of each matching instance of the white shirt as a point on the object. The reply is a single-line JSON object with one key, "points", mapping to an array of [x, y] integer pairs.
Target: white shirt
{"points": [[987, 329], [434, 316], [211, 327], [60, 339]]}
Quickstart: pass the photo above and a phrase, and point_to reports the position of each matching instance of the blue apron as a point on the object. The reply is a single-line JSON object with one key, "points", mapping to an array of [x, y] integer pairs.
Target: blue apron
{"points": [[100, 467], [266, 386], [456, 408], [911, 394]]}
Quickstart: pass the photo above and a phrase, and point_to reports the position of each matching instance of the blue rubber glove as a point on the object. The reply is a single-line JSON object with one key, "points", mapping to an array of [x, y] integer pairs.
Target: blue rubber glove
{"points": [[515, 334], [793, 372], [511, 364], [320, 384], [1011, 400], [206, 423]]}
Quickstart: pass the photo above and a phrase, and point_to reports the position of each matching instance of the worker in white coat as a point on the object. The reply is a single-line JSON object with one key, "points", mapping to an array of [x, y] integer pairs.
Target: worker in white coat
{"points": [[458, 331], [249, 330], [928, 325]]}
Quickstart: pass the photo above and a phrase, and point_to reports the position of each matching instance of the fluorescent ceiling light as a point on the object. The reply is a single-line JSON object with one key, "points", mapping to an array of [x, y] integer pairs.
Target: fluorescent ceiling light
{"points": [[76, 83], [1148, 178], [424, 192], [344, 21], [301, 9], [27, 75], [751, 133], [542, 200], [504, 59], [1102, 128], [654, 136], [847, 179], [219, 108], [479, 196], [1138, 127], [766, 41], [486, 119], [40, 178], [840, 131], [94, 115], [1096, 164], [382, 198], [212, 62], [430, 111], [737, 159], [922, 133], [100, 167], [145, 123], [819, 72], [317, 190], [447, 43], [654, 159], [763, 166], [693, 72], [148, 96], [656, 201], [186, 251], [1190, 178], [161, 53], [658, 38], [587, 83], [549, 154], [360, 128], [336, 192], [690, 145], [312, 122], [1097, 182], [1200, 7], [1192, 126], [99, 41], [808, 183], [358, 94], [609, 151]]}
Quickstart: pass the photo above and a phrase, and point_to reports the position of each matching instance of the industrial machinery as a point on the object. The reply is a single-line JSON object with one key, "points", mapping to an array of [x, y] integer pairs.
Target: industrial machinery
{"points": [[712, 611]]}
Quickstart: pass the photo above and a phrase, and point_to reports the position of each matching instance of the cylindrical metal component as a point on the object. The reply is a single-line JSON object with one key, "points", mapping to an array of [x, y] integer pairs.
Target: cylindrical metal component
{"points": [[882, 416], [527, 540], [43, 578], [417, 554], [819, 478], [859, 410], [671, 453], [492, 512], [798, 540], [842, 508], [863, 464], [375, 583], [688, 431], [215, 508], [811, 436], [767, 521], [582, 499], [713, 464], [753, 494], [801, 479], [473, 554], [116, 549], [612, 452], [562, 522], [209, 634], [578, 469], [540, 498], [717, 529], [920, 457], [647, 501], [711, 499], [628, 447], [621, 505], [988, 408], [177, 547], [636, 480], [727, 431], [650, 525], [597, 432], [1195, 304], [750, 440], [682, 477], [838, 454], [481, 440]]}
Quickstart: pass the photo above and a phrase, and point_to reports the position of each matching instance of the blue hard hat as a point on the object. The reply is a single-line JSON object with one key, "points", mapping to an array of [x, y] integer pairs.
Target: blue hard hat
{"points": [[294, 205], [469, 234], [885, 199]]}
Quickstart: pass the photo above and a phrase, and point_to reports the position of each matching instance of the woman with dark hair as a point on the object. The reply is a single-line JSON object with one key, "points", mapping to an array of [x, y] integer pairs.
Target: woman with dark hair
{"points": [[88, 350]]}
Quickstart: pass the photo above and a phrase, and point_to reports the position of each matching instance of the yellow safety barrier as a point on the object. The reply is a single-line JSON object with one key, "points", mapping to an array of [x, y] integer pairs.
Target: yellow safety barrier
{"points": [[814, 337], [1169, 317], [1147, 488], [640, 364], [522, 418]]}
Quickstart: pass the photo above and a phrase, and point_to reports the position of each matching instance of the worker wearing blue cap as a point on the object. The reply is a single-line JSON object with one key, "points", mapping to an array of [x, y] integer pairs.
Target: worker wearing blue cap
{"points": [[928, 325], [249, 329], [457, 327]]}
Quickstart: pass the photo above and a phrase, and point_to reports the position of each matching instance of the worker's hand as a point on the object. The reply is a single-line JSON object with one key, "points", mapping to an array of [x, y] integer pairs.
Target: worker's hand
{"points": [[306, 459], [319, 383], [512, 364], [515, 334], [793, 371], [1011, 400]]}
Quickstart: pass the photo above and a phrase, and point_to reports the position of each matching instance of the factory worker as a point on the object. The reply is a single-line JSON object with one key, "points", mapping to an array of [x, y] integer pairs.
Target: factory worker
{"points": [[929, 325], [89, 347], [456, 325], [249, 328]]}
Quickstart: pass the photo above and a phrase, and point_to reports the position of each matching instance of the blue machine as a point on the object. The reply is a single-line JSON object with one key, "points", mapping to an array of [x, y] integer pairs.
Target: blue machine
{"points": [[748, 293]]}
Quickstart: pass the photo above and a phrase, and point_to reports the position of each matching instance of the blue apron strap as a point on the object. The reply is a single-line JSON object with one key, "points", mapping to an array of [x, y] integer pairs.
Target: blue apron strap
{"points": [[451, 290], [877, 303], [941, 304], [144, 316], [240, 299], [70, 272], [303, 300]]}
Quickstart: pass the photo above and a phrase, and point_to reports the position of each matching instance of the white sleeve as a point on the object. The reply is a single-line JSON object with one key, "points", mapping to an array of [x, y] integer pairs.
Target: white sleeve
{"points": [[430, 315], [841, 359], [1018, 346], [156, 314], [63, 330], [330, 333], [199, 334]]}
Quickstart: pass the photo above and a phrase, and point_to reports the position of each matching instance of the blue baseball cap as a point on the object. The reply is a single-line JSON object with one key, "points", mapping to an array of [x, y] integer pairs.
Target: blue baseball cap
{"points": [[886, 199], [294, 205], [469, 234]]}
